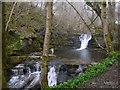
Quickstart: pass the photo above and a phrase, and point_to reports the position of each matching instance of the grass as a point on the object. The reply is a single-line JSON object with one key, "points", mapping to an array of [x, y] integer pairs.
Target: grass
{"points": [[91, 72]]}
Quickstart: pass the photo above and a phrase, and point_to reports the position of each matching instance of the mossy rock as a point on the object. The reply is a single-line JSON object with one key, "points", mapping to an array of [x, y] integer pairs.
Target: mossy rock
{"points": [[14, 60]]}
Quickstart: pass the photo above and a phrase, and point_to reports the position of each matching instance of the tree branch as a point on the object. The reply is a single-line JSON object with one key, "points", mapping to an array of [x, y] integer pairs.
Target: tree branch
{"points": [[10, 16], [78, 14], [95, 7], [92, 21], [88, 26], [20, 13]]}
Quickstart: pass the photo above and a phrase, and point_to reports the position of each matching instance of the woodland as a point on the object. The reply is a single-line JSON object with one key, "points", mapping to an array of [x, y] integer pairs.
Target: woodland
{"points": [[43, 32]]}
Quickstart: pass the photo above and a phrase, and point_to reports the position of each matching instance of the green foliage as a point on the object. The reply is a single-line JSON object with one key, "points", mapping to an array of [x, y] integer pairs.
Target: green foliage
{"points": [[13, 60], [90, 73], [12, 42], [25, 16], [25, 20], [28, 21]]}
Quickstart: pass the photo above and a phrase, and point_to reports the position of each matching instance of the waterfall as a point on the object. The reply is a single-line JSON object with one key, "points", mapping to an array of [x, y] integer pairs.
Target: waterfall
{"points": [[84, 39], [23, 77], [21, 72], [37, 66], [29, 71], [35, 75], [19, 66], [15, 72], [79, 70], [52, 77], [36, 79]]}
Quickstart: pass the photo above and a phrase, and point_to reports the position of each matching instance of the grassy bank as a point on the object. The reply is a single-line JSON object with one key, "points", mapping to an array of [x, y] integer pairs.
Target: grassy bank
{"points": [[91, 72]]}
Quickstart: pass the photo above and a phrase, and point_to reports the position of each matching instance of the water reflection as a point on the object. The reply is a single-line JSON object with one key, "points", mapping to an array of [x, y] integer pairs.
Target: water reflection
{"points": [[85, 56], [73, 56]]}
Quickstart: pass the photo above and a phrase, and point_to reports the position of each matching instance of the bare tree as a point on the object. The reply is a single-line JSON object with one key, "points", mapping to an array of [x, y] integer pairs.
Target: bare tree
{"points": [[44, 68], [107, 38], [88, 26], [95, 6], [111, 21]]}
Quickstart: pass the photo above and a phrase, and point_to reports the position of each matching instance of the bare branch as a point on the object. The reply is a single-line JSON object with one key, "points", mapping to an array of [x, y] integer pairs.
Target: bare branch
{"points": [[10, 16], [92, 21], [21, 12], [88, 26], [79, 15]]}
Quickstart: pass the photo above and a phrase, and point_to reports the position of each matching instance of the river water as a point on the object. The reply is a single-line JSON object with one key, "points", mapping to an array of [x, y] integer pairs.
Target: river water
{"points": [[67, 64], [85, 56]]}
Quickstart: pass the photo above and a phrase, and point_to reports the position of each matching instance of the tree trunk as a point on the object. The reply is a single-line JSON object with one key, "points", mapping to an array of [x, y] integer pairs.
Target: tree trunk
{"points": [[44, 68], [4, 53], [112, 27], [107, 38]]}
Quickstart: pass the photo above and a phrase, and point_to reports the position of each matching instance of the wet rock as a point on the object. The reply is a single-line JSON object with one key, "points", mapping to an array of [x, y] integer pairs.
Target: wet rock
{"points": [[62, 77], [72, 68]]}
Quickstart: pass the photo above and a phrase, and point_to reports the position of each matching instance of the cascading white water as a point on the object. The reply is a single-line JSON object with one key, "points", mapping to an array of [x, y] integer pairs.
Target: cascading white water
{"points": [[52, 77], [84, 39], [23, 74], [15, 72], [79, 70], [36, 80], [35, 76], [37, 66], [19, 66], [19, 79], [29, 71]]}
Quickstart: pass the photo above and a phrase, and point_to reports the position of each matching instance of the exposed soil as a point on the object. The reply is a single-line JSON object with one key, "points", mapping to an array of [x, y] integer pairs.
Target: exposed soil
{"points": [[109, 79]]}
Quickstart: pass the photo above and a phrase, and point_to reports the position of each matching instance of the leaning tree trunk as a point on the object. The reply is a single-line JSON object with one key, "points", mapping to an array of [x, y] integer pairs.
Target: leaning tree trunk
{"points": [[107, 38], [44, 69]]}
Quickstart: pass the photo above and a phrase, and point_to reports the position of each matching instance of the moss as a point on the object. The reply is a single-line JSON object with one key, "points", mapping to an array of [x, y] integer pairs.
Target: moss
{"points": [[44, 70], [108, 43], [36, 44], [13, 42], [26, 18], [31, 29], [4, 83], [14, 60], [13, 26]]}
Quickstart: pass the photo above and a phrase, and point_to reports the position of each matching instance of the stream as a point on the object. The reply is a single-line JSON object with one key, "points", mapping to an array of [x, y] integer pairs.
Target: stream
{"points": [[68, 63]]}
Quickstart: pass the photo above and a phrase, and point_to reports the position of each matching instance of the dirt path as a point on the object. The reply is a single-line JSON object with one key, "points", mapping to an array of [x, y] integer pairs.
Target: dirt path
{"points": [[109, 79]]}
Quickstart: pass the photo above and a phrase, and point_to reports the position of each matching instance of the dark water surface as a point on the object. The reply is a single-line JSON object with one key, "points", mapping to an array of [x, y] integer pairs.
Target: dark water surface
{"points": [[85, 56]]}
